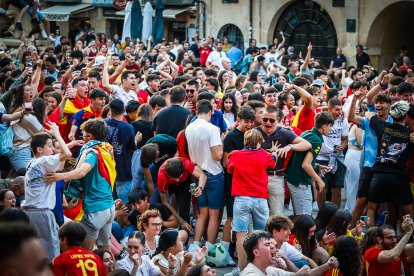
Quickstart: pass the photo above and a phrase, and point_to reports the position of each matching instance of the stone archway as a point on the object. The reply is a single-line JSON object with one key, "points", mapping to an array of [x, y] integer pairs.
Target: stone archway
{"points": [[233, 33], [392, 29], [307, 21]]}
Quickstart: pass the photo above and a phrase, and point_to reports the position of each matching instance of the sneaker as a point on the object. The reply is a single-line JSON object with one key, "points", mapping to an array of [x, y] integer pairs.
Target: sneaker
{"points": [[315, 207], [43, 34], [19, 26], [51, 39]]}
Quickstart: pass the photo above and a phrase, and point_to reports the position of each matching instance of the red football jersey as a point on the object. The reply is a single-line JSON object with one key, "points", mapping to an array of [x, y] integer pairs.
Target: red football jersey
{"points": [[78, 261]]}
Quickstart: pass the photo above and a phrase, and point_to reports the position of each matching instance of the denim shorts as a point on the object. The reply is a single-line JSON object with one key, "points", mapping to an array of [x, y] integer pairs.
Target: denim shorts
{"points": [[246, 205], [20, 158], [213, 194], [40, 15]]}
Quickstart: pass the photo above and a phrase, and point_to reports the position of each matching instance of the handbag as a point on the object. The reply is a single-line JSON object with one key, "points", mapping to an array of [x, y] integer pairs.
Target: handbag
{"points": [[6, 141]]}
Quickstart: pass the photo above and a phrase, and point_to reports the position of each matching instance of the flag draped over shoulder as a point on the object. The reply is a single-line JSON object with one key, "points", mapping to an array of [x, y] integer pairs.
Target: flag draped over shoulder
{"points": [[106, 168], [71, 107]]}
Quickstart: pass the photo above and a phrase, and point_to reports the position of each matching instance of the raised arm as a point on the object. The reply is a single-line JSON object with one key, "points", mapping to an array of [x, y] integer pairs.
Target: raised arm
{"points": [[64, 150], [383, 80], [105, 78], [306, 97], [34, 83], [307, 58]]}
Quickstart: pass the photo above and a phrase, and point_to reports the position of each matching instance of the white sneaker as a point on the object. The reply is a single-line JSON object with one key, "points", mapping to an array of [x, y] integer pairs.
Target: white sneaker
{"points": [[51, 39], [43, 34], [315, 207]]}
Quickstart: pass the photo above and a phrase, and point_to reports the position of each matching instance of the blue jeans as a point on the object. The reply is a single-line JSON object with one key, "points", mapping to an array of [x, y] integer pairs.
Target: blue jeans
{"points": [[122, 189], [246, 205], [213, 194], [20, 158]]}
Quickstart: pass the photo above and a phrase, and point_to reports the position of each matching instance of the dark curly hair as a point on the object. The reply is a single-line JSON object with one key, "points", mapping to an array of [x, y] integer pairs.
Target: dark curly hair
{"points": [[347, 252]]}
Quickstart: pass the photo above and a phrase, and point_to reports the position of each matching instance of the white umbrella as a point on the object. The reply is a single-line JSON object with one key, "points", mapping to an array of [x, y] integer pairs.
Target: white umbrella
{"points": [[147, 22], [126, 31]]}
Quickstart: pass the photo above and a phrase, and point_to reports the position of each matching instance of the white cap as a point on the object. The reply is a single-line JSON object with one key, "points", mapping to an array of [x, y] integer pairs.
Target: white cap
{"points": [[99, 60]]}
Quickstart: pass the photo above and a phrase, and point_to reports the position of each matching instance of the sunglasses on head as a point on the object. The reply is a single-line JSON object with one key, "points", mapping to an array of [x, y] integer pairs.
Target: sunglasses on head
{"points": [[190, 91], [269, 119]]}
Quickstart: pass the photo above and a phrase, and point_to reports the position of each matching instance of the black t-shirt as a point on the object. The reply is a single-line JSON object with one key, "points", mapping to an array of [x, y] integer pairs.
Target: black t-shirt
{"points": [[362, 60], [170, 120], [393, 143], [234, 140], [165, 212], [282, 136], [145, 128]]}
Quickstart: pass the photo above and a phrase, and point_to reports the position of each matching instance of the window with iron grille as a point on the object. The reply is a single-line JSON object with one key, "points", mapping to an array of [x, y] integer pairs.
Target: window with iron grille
{"points": [[306, 21]]}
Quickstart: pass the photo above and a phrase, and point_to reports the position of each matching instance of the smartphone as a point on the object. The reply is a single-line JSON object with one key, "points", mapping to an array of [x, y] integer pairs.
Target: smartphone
{"points": [[364, 218]]}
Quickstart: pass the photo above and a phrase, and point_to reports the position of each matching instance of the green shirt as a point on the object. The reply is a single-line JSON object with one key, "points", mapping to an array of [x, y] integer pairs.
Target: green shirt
{"points": [[295, 174]]}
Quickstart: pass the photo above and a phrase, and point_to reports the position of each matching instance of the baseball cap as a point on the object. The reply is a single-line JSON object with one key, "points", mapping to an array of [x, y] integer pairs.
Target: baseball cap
{"points": [[318, 82], [99, 60]]}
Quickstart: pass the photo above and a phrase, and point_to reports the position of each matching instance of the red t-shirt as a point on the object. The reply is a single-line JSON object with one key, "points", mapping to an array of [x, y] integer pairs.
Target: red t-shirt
{"points": [[249, 172], [204, 52], [143, 96], [333, 272], [182, 146], [134, 66], [374, 268], [164, 180], [78, 261], [305, 119]]}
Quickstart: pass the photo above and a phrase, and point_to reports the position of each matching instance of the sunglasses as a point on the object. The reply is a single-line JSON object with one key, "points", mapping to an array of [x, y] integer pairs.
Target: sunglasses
{"points": [[190, 91], [269, 119]]}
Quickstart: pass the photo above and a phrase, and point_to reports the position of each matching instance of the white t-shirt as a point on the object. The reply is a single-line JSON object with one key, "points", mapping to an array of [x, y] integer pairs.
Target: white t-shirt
{"points": [[252, 270], [338, 130], [216, 57], [271, 58], [121, 94], [38, 194], [147, 268], [201, 137], [291, 252]]}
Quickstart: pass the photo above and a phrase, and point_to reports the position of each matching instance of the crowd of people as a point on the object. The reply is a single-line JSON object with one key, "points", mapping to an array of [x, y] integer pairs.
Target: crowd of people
{"points": [[123, 158]]}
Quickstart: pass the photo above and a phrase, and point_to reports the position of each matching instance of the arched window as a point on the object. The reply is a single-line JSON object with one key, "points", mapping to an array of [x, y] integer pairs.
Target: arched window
{"points": [[233, 33], [306, 21]]}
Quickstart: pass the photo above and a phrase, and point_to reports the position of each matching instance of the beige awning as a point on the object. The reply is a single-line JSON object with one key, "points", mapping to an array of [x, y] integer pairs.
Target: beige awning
{"points": [[62, 12]]}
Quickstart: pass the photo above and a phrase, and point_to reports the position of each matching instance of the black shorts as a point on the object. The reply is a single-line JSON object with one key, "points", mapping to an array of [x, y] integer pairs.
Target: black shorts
{"points": [[390, 187], [334, 180], [365, 182], [227, 197]]}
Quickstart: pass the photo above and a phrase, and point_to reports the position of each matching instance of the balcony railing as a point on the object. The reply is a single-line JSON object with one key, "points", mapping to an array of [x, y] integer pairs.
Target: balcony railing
{"points": [[103, 3]]}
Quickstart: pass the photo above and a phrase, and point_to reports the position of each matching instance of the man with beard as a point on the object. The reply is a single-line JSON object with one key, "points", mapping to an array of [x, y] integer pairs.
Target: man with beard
{"points": [[386, 256], [216, 57]]}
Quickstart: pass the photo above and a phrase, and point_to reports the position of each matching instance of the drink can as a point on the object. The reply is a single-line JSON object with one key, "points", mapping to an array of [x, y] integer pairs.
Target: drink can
{"points": [[193, 188]]}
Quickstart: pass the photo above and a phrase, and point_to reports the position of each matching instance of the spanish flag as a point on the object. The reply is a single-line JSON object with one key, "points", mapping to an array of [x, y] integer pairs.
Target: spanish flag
{"points": [[106, 168], [71, 107]]}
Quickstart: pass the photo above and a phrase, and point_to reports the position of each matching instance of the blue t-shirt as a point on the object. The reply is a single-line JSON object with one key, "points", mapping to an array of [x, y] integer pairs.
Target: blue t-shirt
{"points": [[122, 137], [369, 141], [97, 191], [234, 54], [217, 119]]}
